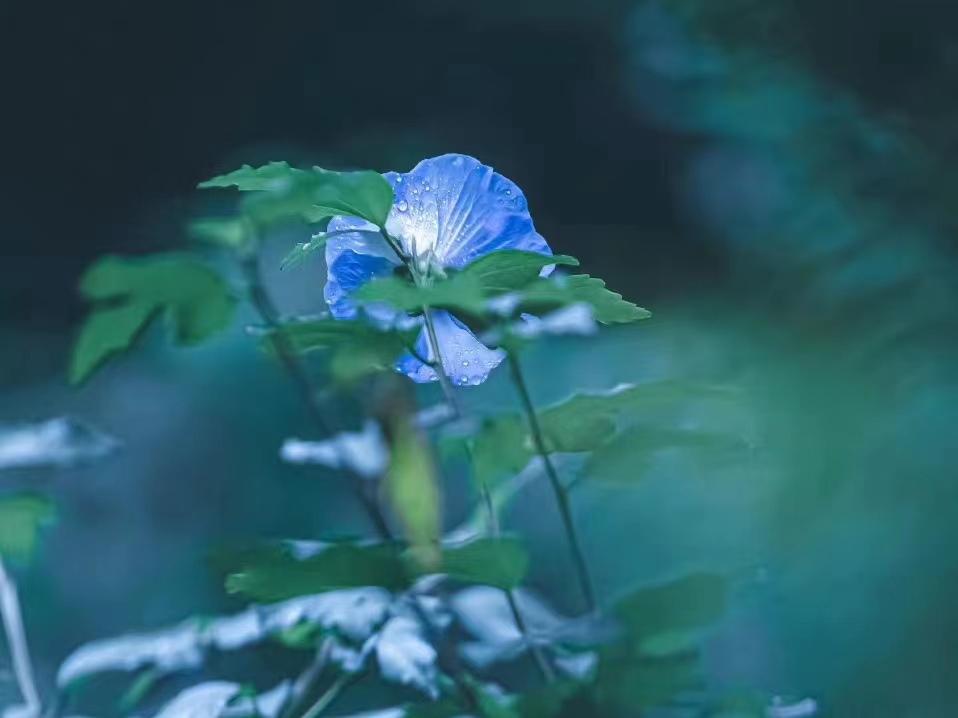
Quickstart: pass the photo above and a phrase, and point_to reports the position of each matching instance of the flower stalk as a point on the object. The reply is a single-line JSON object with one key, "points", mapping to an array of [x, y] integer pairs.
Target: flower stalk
{"points": [[264, 306], [558, 489]]}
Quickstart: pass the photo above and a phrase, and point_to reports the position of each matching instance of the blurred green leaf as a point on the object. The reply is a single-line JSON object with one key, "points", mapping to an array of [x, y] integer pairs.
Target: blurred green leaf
{"points": [[623, 459], [584, 422], [624, 685], [275, 573], [315, 194], [229, 232], [129, 292], [665, 619], [21, 518], [412, 490], [356, 348], [499, 562]]}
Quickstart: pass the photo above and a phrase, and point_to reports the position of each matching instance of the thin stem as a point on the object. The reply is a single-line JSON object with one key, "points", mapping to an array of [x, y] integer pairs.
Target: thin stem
{"points": [[297, 371], [561, 495], [542, 663], [307, 679], [17, 641], [328, 697]]}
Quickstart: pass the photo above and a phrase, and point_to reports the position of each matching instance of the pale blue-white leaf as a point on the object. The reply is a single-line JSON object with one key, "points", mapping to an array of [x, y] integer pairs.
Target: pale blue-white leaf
{"points": [[780, 708], [354, 613], [575, 319], [406, 657], [206, 700], [56, 442], [364, 452]]}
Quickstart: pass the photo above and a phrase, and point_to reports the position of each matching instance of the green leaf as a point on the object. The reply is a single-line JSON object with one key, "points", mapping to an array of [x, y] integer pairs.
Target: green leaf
{"points": [[356, 348], [21, 518], [608, 307], [230, 232], [511, 269], [624, 685], [274, 573], [503, 445], [128, 293], [666, 618], [315, 194], [499, 562], [412, 490], [459, 292], [626, 457]]}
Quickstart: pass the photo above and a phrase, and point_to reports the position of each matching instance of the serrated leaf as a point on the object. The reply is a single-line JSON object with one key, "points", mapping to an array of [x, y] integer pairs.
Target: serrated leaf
{"points": [[128, 293], [460, 292], [315, 194], [511, 269], [275, 573], [608, 307], [499, 562], [21, 518], [356, 348], [412, 490]]}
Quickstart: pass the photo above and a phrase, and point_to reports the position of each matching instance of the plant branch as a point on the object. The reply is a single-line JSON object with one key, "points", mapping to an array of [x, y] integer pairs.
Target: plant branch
{"points": [[297, 371], [17, 641], [561, 495], [328, 697]]}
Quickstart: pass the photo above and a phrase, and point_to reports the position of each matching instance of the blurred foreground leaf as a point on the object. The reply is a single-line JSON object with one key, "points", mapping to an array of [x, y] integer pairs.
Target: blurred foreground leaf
{"points": [[412, 490], [279, 571], [128, 293], [21, 518]]}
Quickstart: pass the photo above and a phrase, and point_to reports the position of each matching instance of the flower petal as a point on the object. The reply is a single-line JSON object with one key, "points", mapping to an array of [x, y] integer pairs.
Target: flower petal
{"points": [[465, 359], [347, 273], [459, 209], [355, 253]]}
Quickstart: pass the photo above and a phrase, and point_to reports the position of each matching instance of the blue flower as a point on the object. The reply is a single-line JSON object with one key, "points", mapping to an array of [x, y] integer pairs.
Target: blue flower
{"points": [[447, 212]]}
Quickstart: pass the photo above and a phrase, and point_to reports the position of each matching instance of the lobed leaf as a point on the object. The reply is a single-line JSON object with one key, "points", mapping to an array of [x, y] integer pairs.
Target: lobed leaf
{"points": [[608, 307], [315, 194], [128, 293]]}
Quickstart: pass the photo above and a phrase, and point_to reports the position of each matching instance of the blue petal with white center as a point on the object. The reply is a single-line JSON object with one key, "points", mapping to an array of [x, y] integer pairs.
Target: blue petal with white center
{"points": [[448, 211]]}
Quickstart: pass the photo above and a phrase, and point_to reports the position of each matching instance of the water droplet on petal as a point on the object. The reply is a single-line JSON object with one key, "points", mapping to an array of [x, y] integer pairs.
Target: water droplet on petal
{"points": [[399, 180], [465, 363], [476, 381], [402, 205]]}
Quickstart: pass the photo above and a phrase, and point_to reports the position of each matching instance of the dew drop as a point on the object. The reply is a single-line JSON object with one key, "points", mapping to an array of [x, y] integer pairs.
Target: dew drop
{"points": [[399, 180], [402, 205], [465, 363], [476, 381]]}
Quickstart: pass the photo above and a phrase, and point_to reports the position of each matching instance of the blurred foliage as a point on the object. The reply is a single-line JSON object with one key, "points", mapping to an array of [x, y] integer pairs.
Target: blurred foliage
{"points": [[783, 175]]}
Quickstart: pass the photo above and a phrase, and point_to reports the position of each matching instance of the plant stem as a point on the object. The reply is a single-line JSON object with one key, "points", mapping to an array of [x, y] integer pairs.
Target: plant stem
{"points": [[542, 663], [297, 371], [17, 641], [561, 495], [327, 698], [448, 390]]}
